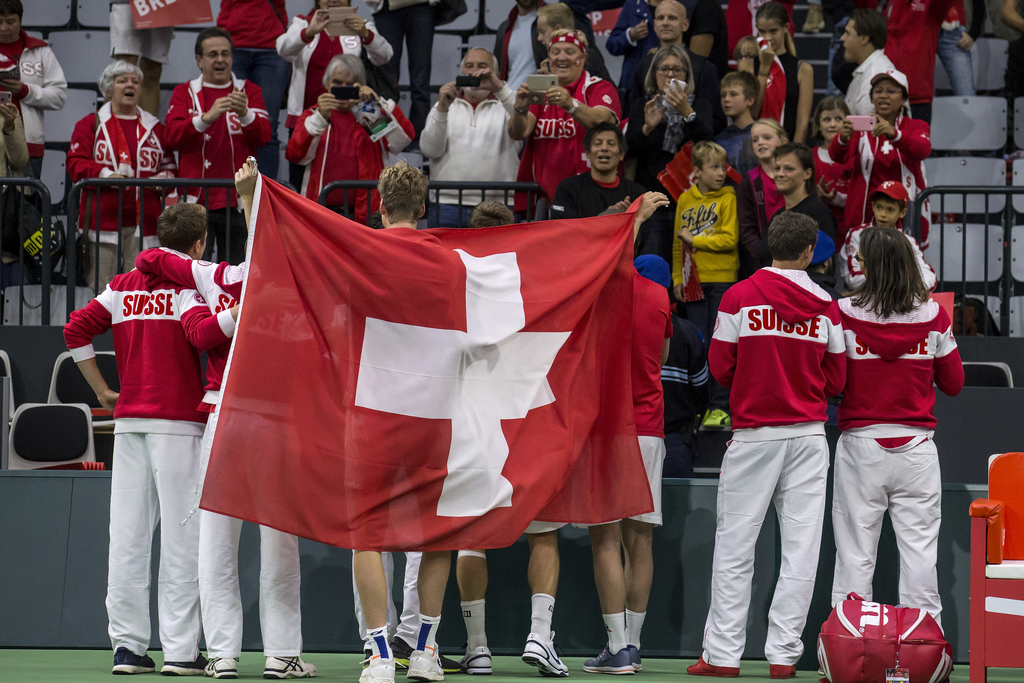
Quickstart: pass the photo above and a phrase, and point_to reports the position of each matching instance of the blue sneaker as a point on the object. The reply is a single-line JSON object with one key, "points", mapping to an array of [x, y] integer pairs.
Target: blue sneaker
{"points": [[634, 657], [605, 663], [127, 662]]}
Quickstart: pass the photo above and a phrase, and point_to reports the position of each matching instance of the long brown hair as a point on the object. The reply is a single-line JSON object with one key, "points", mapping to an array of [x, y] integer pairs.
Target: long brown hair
{"points": [[892, 280]]}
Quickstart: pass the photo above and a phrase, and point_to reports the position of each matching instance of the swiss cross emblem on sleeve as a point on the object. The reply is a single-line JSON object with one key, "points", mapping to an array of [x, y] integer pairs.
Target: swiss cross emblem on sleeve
{"points": [[606, 99]]}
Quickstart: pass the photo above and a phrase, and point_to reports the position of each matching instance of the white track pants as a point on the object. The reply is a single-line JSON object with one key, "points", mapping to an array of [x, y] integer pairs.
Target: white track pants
{"points": [[154, 478], [791, 474], [280, 614], [408, 625], [906, 482]]}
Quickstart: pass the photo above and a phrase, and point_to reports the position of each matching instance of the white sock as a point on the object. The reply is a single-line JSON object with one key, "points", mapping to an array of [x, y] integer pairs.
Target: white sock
{"points": [[543, 609], [378, 640], [615, 625], [473, 614], [634, 622], [428, 631]]}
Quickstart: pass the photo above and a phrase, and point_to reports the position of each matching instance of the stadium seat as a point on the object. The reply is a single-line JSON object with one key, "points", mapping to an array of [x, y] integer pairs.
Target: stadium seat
{"points": [[467, 21], [988, 58], [968, 123], [484, 41], [495, 13], [988, 374], [1017, 316], [33, 314], [1017, 252], [949, 242], [182, 62], [48, 13], [612, 62], [67, 385], [44, 435], [59, 125], [55, 173], [997, 569], [5, 371], [82, 54], [445, 61], [93, 14], [965, 171]]}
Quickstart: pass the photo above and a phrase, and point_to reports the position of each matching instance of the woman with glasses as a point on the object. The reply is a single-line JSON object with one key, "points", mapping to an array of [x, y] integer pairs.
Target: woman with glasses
{"points": [[894, 149], [660, 125]]}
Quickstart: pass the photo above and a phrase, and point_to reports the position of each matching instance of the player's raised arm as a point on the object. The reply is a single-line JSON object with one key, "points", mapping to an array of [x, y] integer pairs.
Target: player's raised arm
{"points": [[245, 185]]}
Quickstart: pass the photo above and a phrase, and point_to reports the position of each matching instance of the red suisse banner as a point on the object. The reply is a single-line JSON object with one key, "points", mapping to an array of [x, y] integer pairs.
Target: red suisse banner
{"points": [[160, 13]]}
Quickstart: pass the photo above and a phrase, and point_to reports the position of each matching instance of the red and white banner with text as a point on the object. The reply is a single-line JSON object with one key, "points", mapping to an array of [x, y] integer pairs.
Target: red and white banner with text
{"points": [[160, 13]]}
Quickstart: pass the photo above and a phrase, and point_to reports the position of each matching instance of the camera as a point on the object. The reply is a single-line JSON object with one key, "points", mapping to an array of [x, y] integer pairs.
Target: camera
{"points": [[467, 81], [345, 92]]}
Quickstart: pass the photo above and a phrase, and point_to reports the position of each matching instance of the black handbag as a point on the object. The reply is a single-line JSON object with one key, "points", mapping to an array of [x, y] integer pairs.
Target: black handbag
{"points": [[380, 79], [447, 11], [23, 226]]}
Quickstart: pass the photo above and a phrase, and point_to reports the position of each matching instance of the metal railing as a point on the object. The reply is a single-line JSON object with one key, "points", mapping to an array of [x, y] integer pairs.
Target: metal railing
{"points": [[481, 189], [1002, 287], [43, 244]]}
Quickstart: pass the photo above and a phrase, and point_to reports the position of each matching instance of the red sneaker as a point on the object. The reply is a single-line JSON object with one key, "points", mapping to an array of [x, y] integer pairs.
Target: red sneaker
{"points": [[782, 671], [702, 668]]}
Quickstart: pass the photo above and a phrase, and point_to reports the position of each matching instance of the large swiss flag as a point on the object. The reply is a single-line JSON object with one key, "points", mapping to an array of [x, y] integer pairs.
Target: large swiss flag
{"points": [[427, 390]]}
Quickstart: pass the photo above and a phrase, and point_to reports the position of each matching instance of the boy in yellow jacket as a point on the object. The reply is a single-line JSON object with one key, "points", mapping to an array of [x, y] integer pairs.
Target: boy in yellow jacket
{"points": [[706, 223]]}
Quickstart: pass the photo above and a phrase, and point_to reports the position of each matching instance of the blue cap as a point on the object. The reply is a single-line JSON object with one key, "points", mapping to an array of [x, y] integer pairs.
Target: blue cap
{"points": [[654, 268], [823, 249]]}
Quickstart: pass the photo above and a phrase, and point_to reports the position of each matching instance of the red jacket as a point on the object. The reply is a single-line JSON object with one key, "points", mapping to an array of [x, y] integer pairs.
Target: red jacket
{"points": [[220, 149], [877, 160], [91, 155], [778, 345], [836, 177], [890, 367], [913, 39], [157, 330], [253, 23], [316, 145]]}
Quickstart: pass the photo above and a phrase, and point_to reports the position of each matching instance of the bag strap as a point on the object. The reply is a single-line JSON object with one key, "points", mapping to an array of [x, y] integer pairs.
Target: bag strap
{"points": [[284, 23], [762, 212]]}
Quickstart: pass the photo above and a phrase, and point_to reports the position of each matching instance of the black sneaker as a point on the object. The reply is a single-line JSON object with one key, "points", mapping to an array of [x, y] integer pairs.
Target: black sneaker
{"points": [[127, 662], [196, 668], [403, 650]]}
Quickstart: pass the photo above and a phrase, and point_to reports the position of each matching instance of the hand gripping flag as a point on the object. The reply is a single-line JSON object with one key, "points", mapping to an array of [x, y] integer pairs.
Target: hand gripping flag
{"points": [[427, 390]]}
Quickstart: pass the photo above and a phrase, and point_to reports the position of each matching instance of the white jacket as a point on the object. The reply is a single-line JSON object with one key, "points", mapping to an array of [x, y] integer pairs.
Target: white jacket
{"points": [[469, 144], [47, 87], [293, 48]]}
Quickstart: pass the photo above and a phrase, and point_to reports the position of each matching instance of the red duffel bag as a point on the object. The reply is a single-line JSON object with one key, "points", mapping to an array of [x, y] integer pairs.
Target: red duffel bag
{"points": [[861, 639]]}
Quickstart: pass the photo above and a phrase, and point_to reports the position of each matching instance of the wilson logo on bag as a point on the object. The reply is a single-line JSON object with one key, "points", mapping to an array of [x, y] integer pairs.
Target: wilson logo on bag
{"points": [[861, 639]]}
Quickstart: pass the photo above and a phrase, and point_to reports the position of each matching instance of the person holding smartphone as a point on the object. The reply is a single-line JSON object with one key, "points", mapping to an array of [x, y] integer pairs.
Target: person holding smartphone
{"points": [[13, 157], [330, 143]]}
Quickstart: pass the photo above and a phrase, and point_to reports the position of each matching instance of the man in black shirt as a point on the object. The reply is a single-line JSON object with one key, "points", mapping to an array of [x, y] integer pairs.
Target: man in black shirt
{"points": [[600, 191]]}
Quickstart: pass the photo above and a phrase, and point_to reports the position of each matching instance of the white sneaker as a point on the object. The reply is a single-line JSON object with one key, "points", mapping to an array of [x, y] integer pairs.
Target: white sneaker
{"points": [[378, 671], [288, 667], [540, 652], [424, 665], [222, 667], [477, 661]]}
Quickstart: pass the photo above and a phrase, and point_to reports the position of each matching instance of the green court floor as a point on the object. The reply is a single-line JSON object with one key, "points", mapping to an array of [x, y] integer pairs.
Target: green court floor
{"points": [[90, 666]]}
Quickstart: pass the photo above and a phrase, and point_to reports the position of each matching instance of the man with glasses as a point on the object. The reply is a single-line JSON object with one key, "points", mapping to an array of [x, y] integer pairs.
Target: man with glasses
{"points": [[215, 122]]}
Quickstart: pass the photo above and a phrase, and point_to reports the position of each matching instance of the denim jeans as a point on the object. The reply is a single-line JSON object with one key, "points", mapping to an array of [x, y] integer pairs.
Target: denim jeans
{"points": [[268, 70], [831, 89], [448, 216], [415, 25], [956, 62]]}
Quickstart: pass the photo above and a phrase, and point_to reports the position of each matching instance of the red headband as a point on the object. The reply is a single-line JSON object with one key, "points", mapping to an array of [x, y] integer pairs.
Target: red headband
{"points": [[569, 37]]}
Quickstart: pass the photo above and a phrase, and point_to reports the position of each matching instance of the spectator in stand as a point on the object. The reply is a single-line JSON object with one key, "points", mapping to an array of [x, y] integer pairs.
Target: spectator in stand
{"points": [[955, 42], [41, 85], [121, 140], [660, 127], [601, 190], [741, 18], [147, 48], [412, 22], [516, 43], [215, 122], [554, 130], [13, 158], [894, 150], [1013, 17], [309, 46], [558, 16], [684, 379], [254, 26], [708, 34], [490, 214], [706, 227], [864, 40], [633, 37], [739, 93], [833, 178], [332, 145], [789, 97], [914, 27], [670, 23], [466, 138], [822, 269], [758, 198], [794, 179], [747, 55]]}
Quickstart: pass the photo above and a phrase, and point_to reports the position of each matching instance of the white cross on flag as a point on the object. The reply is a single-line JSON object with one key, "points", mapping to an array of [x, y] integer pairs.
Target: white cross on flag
{"points": [[404, 390]]}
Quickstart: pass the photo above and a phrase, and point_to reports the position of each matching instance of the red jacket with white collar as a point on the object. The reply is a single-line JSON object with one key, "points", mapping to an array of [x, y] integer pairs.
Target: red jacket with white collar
{"points": [[220, 149], [891, 364], [94, 145], [778, 345], [157, 330]]}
